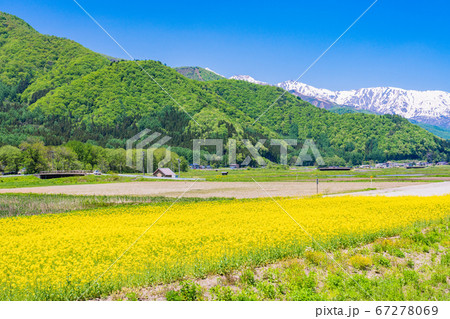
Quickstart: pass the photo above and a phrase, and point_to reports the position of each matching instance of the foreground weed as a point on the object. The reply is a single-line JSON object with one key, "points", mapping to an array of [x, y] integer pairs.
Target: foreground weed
{"points": [[382, 261], [248, 277], [190, 291], [315, 257], [360, 262]]}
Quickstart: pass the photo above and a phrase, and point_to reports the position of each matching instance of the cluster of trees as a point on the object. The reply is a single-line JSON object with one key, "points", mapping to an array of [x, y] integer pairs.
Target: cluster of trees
{"points": [[32, 156]]}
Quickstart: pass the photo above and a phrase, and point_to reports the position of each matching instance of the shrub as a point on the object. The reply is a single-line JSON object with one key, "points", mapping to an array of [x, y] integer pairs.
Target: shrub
{"points": [[246, 295], [410, 264], [360, 262], [445, 259], [439, 278], [248, 277], [410, 276], [272, 275], [222, 293], [385, 244], [383, 261], [315, 257], [377, 248], [335, 280], [267, 290], [190, 291], [132, 296], [397, 253], [172, 295]]}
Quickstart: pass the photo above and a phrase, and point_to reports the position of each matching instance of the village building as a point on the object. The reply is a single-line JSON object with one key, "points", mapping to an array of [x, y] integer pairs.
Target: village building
{"points": [[164, 172]]}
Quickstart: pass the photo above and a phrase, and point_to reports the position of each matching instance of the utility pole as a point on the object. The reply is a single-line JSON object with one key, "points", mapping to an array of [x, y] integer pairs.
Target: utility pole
{"points": [[317, 185], [179, 168]]}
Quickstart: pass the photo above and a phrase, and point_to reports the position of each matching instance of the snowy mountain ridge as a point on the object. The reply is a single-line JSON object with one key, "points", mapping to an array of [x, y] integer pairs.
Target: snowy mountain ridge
{"points": [[247, 78], [410, 104], [430, 107]]}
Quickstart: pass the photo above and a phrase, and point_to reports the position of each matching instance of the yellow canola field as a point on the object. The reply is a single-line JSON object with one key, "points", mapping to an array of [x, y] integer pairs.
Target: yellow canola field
{"points": [[59, 256]]}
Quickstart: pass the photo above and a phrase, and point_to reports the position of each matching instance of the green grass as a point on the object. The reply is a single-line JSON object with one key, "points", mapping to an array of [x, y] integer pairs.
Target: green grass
{"points": [[33, 181]]}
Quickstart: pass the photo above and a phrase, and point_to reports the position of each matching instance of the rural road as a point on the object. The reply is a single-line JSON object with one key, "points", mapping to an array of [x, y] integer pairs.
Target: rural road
{"points": [[233, 189], [431, 189]]}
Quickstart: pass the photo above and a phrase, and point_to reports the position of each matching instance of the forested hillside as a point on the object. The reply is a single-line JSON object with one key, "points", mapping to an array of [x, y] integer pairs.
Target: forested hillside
{"points": [[32, 64], [198, 73], [355, 137], [122, 93], [58, 90]]}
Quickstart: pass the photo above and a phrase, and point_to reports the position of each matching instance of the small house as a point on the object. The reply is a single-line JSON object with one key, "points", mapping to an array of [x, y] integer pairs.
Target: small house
{"points": [[164, 172]]}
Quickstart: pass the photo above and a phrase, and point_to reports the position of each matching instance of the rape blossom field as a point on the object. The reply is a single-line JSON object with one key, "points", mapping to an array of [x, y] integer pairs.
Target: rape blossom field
{"points": [[72, 256]]}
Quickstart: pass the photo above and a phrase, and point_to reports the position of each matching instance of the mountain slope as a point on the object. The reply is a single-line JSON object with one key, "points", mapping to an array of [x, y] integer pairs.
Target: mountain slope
{"points": [[32, 64], [198, 73], [432, 107], [123, 93], [429, 109], [436, 130]]}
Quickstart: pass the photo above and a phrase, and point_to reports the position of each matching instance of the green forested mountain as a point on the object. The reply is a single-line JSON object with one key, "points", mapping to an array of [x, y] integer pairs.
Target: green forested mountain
{"points": [[122, 93], [347, 109], [60, 91], [436, 130], [32, 64], [198, 73], [354, 136]]}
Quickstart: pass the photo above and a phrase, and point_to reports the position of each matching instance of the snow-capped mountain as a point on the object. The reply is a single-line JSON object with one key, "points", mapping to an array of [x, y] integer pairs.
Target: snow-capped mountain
{"points": [[432, 107], [247, 78]]}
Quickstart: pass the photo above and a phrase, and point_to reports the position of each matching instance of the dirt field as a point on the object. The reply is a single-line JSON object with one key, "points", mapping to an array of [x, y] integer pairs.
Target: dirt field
{"points": [[211, 189]]}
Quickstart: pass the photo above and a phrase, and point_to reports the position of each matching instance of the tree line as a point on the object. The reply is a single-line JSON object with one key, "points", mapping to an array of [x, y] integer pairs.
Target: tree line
{"points": [[32, 157]]}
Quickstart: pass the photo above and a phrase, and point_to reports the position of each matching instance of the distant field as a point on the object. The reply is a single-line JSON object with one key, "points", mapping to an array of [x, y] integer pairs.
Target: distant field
{"points": [[308, 174], [429, 174], [201, 189]]}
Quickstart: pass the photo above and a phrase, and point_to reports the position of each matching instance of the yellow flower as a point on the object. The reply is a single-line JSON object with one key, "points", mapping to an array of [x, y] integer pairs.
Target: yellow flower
{"points": [[60, 256]]}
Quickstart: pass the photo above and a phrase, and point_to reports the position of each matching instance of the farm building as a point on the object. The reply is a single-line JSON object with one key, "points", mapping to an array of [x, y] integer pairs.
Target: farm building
{"points": [[164, 172]]}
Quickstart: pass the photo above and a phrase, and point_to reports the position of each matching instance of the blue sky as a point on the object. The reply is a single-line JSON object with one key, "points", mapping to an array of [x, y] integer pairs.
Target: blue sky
{"points": [[397, 43]]}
